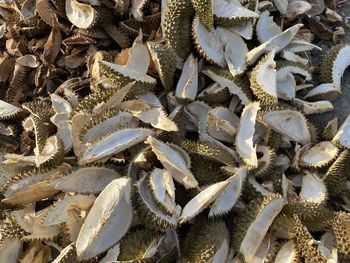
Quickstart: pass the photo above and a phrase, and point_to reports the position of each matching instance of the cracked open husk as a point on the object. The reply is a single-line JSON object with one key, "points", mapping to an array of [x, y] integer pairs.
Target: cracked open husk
{"points": [[167, 131]]}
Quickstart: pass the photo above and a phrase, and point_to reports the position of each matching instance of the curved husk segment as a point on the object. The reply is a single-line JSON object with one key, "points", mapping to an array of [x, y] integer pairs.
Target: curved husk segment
{"points": [[58, 213], [222, 124], [138, 244], [202, 201], [187, 85], [319, 155], [342, 137], [204, 10], [341, 231], [177, 26], [225, 80], [266, 28], [289, 123], [79, 14], [174, 161], [335, 62], [111, 212], [157, 118], [113, 144], [309, 249], [207, 241], [52, 154], [147, 208], [266, 163], [8, 111], [164, 59], [208, 43], [235, 50], [278, 43], [336, 177], [253, 223], [123, 75], [263, 80], [288, 67], [86, 180], [68, 254], [105, 124], [313, 189], [163, 190], [245, 135], [230, 194], [325, 91], [288, 253], [230, 13]]}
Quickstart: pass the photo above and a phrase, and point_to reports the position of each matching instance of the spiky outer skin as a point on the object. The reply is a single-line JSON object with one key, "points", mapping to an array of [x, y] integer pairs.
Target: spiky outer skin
{"points": [[121, 80], [9, 228], [304, 241], [206, 171], [258, 90], [265, 168], [204, 10], [319, 29], [229, 22], [285, 63], [175, 137], [221, 98], [15, 92], [134, 245], [57, 158], [25, 174], [177, 26], [328, 134], [327, 65], [331, 95], [341, 232], [246, 217], [89, 103], [150, 219], [165, 58], [242, 82], [337, 175], [208, 150], [314, 217], [118, 35], [148, 24], [96, 121], [203, 240]]}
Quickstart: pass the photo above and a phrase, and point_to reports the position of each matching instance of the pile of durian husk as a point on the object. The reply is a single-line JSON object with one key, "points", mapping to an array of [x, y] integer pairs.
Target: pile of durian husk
{"points": [[172, 131]]}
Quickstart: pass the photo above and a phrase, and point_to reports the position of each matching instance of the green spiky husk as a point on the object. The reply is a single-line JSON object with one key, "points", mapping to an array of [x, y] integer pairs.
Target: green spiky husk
{"points": [[304, 242], [150, 219], [337, 175], [258, 91], [204, 10], [221, 98], [147, 25], [177, 26], [203, 240], [327, 65], [57, 158], [134, 245], [246, 217], [121, 80], [341, 232], [9, 228], [165, 58], [316, 217], [208, 150], [175, 137], [206, 171]]}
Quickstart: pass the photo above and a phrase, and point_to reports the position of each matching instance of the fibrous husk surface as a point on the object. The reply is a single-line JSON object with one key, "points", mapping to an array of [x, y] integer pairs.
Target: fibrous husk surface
{"points": [[173, 131]]}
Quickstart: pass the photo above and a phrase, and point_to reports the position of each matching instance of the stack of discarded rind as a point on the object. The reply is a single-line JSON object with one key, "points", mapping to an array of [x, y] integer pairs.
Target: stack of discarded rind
{"points": [[135, 131]]}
